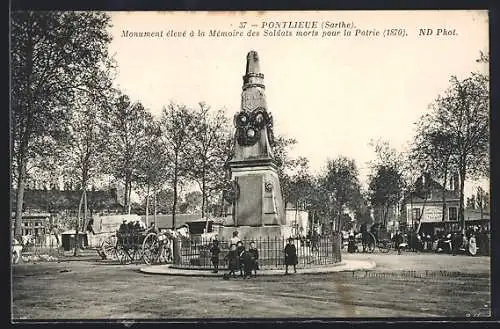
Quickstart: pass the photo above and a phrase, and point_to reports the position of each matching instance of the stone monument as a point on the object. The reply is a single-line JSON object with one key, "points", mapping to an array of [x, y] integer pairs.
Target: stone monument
{"points": [[258, 209]]}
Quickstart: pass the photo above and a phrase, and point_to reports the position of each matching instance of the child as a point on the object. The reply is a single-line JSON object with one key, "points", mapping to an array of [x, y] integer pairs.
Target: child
{"points": [[215, 250], [240, 249], [290, 256], [233, 261], [254, 255], [246, 263]]}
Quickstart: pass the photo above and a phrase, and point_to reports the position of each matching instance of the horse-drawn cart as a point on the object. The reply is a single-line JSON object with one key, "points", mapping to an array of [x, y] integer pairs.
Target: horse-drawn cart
{"points": [[377, 237], [138, 246]]}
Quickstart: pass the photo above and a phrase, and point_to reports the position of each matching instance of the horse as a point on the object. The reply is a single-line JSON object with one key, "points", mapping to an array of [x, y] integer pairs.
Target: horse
{"points": [[16, 251], [178, 235], [28, 240]]}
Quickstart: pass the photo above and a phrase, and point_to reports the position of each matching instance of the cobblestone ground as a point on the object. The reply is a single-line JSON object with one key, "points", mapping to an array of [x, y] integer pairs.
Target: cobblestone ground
{"points": [[408, 285]]}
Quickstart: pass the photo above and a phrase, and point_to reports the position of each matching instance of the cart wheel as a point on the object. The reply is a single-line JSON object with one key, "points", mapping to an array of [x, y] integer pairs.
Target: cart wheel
{"points": [[151, 249], [384, 246], [108, 247], [138, 255], [123, 256]]}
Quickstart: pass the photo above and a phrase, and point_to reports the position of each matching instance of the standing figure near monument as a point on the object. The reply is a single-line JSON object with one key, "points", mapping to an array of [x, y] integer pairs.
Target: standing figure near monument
{"points": [[232, 259], [246, 263], [240, 249], [215, 251], [254, 255], [290, 256], [235, 239]]}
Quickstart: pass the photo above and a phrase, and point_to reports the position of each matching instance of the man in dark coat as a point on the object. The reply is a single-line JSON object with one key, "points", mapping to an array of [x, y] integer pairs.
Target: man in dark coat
{"points": [[351, 243], [240, 249], [233, 261], [254, 255], [398, 239], [246, 263], [215, 251], [290, 256]]}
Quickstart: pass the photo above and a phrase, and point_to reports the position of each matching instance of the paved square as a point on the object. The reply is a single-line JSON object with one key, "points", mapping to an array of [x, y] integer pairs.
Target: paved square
{"points": [[409, 285]]}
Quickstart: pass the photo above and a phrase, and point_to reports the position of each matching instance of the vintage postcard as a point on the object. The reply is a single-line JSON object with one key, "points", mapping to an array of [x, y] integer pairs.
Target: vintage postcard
{"points": [[249, 165]]}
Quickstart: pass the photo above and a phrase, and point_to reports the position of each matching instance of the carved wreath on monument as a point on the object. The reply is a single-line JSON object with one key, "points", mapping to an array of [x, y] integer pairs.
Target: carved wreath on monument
{"points": [[249, 125], [231, 191]]}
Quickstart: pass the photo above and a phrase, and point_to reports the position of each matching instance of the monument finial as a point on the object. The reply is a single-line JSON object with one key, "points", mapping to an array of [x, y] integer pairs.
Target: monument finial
{"points": [[252, 62], [253, 77]]}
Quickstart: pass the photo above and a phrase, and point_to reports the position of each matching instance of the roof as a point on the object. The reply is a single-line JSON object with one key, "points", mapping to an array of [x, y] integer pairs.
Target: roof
{"points": [[436, 190], [165, 221], [71, 232], [33, 215], [66, 199], [106, 224]]}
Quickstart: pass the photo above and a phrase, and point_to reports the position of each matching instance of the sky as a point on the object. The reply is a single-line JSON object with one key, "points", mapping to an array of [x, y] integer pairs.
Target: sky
{"points": [[332, 94]]}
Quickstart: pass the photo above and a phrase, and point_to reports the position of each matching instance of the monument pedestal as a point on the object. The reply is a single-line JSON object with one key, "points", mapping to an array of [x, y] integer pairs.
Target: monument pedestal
{"points": [[249, 233]]}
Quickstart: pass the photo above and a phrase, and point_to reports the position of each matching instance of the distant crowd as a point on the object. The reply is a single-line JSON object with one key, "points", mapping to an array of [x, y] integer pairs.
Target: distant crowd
{"points": [[474, 240]]}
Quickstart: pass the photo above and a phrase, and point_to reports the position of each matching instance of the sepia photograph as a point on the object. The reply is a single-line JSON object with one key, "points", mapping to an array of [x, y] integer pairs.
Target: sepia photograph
{"points": [[229, 165]]}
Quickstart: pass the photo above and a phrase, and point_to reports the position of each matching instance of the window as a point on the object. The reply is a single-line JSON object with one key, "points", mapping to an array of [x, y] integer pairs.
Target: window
{"points": [[452, 213], [415, 213]]}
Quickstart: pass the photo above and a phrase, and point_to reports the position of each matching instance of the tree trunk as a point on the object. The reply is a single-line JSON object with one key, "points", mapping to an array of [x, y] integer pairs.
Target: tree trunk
{"points": [[386, 212], [77, 227], [411, 212], [85, 219], [174, 205], [339, 219], [154, 208], [222, 206], [125, 195], [462, 174], [147, 206], [203, 192], [21, 182], [129, 193], [443, 199]]}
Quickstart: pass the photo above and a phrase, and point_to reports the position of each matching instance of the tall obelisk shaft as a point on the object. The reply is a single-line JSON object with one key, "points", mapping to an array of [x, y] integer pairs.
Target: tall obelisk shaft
{"points": [[259, 202], [253, 122]]}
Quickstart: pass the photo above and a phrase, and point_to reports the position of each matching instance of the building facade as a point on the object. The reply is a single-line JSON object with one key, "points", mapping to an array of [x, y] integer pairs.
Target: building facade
{"points": [[426, 210]]}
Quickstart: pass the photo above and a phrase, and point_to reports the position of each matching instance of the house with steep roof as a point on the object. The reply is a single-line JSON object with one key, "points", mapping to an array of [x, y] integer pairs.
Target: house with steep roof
{"points": [[426, 209]]}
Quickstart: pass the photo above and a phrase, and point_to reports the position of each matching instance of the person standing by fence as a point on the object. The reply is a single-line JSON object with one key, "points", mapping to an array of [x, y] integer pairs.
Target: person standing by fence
{"points": [[240, 249], [235, 239], [232, 259], [215, 251], [314, 241], [254, 254], [290, 256]]}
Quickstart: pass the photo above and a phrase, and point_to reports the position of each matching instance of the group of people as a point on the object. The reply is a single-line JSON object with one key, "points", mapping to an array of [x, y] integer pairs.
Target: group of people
{"points": [[246, 261], [473, 240]]}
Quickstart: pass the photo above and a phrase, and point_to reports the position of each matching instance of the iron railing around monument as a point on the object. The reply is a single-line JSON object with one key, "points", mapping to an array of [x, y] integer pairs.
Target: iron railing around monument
{"points": [[325, 250]]}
